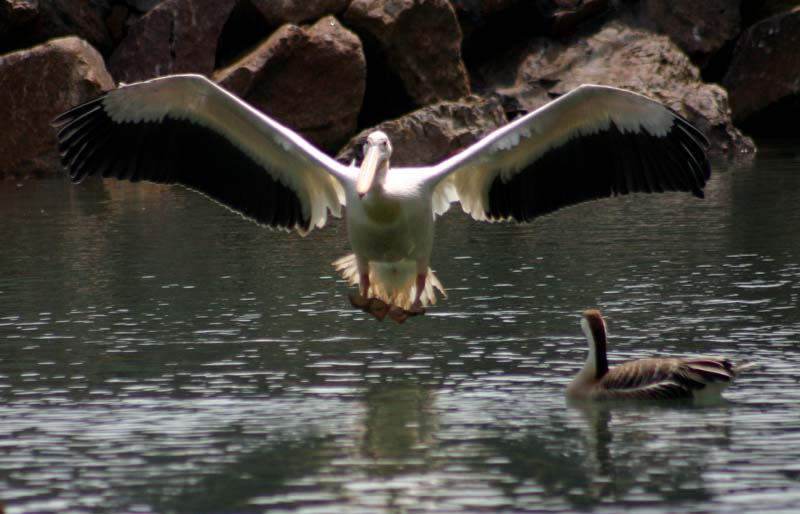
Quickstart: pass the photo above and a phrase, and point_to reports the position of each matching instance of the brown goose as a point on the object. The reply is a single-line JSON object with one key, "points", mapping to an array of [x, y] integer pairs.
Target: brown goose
{"points": [[701, 378]]}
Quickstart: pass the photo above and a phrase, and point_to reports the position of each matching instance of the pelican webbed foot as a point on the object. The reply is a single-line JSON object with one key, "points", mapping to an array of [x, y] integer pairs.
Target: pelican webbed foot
{"points": [[374, 306], [401, 315]]}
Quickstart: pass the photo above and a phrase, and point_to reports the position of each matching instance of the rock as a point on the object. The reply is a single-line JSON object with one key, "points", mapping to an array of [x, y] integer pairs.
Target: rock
{"points": [[36, 85], [176, 36], [433, 133], [419, 41], [698, 28], [35, 22], [142, 6], [556, 11], [278, 12], [311, 79], [508, 19], [116, 21], [765, 68], [16, 13], [616, 55], [252, 21], [563, 16], [755, 11]]}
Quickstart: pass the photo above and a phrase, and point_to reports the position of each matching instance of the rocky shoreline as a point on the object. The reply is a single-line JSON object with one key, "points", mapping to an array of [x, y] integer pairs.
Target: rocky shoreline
{"points": [[434, 74]]}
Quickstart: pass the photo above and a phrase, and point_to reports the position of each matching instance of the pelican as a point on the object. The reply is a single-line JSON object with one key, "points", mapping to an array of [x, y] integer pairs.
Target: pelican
{"points": [[700, 378], [590, 143]]}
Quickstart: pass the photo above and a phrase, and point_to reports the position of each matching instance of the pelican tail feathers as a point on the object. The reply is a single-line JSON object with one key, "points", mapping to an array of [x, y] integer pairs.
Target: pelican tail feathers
{"points": [[392, 282]]}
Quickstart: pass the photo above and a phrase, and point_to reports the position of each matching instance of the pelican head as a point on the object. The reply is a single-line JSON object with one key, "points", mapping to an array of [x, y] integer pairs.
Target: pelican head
{"points": [[377, 151]]}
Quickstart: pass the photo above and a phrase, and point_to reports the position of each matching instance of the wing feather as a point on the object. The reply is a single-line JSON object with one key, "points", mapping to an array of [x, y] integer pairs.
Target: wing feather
{"points": [[591, 143], [185, 129], [664, 377]]}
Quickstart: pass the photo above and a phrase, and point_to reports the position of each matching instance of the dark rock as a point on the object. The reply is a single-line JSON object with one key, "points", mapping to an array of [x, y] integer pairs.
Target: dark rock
{"points": [[142, 6], [493, 28], [754, 11], [252, 21], [563, 16], [310, 78], [559, 15], [765, 69], [698, 28], [278, 12], [433, 133], [37, 84], [116, 21], [419, 42], [17, 13], [479, 8], [176, 36], [509, 18], [621, 56], [31, 23]]}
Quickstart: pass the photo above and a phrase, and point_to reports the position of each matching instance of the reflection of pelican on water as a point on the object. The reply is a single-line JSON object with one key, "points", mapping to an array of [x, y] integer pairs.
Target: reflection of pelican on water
{"points": [[701, 378], [593, 142]]}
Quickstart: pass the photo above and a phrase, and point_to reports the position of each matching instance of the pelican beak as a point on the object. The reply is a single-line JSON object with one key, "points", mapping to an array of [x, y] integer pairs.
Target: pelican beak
{"points": [[368, 168]]}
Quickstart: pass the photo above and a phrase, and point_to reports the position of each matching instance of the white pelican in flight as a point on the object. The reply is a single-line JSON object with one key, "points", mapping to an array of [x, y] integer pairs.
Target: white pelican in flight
{"points": [[700, 378], [590, 143]]}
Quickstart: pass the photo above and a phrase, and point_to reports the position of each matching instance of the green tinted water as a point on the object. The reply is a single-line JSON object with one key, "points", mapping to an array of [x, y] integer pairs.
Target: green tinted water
{"points": [[160, 354]]}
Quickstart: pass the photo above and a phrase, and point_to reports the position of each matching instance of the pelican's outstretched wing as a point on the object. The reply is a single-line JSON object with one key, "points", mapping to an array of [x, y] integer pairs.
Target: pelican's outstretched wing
{"points": [[593, 142], [185, 129]]}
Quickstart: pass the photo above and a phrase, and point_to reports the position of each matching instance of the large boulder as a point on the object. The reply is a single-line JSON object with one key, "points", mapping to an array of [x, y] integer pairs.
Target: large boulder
{"points": [[25, 23], [142, 6], [551, 16], [616, 55], [765, 69], [756, 10], [419, 41], [699, 28], [175, 36], [278, 12], [310, 78], [252, 21], [15, 14], [433, 133], [37, 84]]}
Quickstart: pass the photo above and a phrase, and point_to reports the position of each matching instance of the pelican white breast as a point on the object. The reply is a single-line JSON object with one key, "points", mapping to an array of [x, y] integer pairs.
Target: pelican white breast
{"points": [[591, 143]]}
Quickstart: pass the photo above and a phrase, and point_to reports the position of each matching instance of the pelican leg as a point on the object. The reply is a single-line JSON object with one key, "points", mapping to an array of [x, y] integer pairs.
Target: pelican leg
{"points": [[360, 300], [416, 307], [363, 284]]}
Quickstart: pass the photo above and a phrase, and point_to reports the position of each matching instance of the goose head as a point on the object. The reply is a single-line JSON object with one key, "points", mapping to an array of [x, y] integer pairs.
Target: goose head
{"points": [[594, 328]]}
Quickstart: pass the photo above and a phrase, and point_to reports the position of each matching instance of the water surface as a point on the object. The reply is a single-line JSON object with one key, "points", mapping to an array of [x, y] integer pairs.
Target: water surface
{"points": [[160, 354]]}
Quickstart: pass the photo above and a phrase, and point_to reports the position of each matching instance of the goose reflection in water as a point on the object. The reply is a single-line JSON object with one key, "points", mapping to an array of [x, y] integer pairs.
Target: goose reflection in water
{"points": [[623, 453]]}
